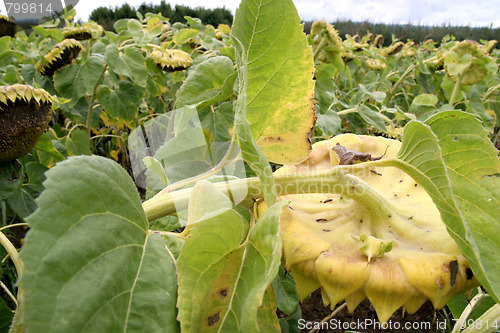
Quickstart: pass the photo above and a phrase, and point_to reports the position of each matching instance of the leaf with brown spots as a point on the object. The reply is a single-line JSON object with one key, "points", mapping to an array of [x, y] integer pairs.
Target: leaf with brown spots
{"points": [[280, 88], [224, 269], [449, 155]]}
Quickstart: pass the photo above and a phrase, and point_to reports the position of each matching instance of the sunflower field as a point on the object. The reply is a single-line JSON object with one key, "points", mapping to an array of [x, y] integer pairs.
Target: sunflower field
{"points": [[190, 178]]}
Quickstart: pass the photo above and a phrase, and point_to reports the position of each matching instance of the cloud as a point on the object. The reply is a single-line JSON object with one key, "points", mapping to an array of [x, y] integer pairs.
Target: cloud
{"points": [[455, 12], [422, 12]]}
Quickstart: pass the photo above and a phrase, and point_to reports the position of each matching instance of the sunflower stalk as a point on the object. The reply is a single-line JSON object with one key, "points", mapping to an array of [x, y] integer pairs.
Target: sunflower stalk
{"points": [[331, 181], [390, 94], [456, 89], [92, 99]]}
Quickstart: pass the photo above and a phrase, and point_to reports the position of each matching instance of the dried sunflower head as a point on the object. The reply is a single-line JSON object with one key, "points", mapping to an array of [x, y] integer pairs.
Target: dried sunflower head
{"points": [[224, 28], [375, 64], [347, 56], [7, 26], [81, 33], [429, 44], [25, 115], [469, 59], [435, 63], [324, 28], [358, 46], [379, 41], [61, 55], [171, 60], [490, 45], [409, 49], [393, 49], [368, 38], [166, 32], [377, 235]]}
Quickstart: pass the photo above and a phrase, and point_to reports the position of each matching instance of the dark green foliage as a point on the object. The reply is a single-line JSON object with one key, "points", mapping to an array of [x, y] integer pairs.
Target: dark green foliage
{"points": [[107, 16], [414, 32]]}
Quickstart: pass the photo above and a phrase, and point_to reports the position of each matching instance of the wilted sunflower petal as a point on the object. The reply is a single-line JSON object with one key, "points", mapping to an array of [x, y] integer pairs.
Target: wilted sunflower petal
{"points": [[378, 236]]}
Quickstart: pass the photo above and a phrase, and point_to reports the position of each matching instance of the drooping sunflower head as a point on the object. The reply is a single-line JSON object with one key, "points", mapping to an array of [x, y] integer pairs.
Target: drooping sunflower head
{"points": [[7, 26], [171, 60], [359, 46], [469, 59], [222, 30], [393, 49], [490, 45], [80, 33], [322, 28], [375, 64], [25, 115], [61, 55], [429, 44], [318, 26], [409, 49], [379, 41], [377, 235], [468, 47], [347, 56]]}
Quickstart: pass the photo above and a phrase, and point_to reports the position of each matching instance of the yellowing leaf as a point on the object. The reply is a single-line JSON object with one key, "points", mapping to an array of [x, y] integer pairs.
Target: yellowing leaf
{"points": [[280, 91]]}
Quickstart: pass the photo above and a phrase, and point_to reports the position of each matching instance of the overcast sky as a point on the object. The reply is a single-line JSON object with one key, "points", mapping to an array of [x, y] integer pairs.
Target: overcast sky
{"points": [[422, 12]]}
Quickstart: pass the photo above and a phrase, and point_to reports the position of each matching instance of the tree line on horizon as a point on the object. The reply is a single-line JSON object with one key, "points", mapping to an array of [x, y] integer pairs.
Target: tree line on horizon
{"points": [[106, 17], [417, 33]]}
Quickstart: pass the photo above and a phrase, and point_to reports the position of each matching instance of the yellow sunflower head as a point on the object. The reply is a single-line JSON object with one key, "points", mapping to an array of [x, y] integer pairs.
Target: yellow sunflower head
{"points": [[377, 235]]}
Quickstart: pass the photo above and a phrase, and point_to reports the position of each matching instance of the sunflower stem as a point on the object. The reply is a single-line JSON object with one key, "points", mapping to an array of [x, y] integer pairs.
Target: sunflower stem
{"points": [[396, 85], [461, 323], [92, 99], [321, 45], [456, 89], [489, 321], [248, 190], [13, 254]]}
